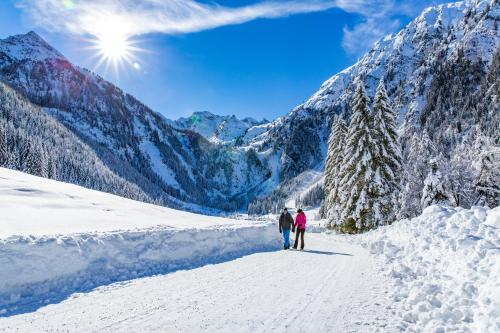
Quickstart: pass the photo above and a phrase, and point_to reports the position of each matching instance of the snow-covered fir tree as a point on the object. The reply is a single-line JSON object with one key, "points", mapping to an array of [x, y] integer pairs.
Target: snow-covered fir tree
{"points": [[3, 146], [387, 159], [488, 179], [357, 174], [333, 164], [421, 150], [460, 174], [311, 198], [370, 168], [434, 191]]}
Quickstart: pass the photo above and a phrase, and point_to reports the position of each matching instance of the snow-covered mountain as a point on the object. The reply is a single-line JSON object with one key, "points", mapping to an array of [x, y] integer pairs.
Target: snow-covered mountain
{"points": [[29, 47], [30, 140], [136, 143], [441, 73], [218, 129]]}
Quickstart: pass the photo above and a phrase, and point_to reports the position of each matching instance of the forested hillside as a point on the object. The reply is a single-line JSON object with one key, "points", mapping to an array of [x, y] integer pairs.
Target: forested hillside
{"points": [[31, 141], [441, 74], [174, 166]]}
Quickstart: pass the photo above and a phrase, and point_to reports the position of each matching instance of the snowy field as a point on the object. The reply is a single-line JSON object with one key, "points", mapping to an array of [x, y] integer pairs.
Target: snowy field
{"points": [[37, 206], [57, 238], [77, 260]]}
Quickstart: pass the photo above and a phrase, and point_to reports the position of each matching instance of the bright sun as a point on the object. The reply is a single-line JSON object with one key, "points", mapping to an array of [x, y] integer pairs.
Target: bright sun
{"points": [[114, 48]]}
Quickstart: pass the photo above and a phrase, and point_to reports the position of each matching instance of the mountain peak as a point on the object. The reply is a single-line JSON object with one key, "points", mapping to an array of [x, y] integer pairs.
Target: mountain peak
{"points": [[32, 34], [215, 127], [29, 46], [454, 26]]}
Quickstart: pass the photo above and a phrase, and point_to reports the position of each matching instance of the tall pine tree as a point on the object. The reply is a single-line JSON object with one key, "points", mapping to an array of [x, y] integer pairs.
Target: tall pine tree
{"points": [[357, 173], [487, 182], [434, 192], [334, 162], [387, 159], [3, 145]]}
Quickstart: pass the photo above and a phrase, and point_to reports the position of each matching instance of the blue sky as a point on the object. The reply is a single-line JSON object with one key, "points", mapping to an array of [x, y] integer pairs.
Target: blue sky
{"points": [[243, 57]]}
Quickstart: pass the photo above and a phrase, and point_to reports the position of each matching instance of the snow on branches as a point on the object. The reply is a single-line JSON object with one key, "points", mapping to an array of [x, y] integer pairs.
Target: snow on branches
{"points": [[363, 167]]}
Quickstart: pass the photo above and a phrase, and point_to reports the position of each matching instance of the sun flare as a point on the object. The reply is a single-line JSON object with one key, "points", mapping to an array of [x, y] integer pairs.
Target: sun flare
{"points": [[114, 48]]}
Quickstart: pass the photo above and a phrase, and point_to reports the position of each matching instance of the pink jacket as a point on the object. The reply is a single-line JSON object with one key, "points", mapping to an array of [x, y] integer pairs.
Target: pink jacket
{"points": [[300, 221]]}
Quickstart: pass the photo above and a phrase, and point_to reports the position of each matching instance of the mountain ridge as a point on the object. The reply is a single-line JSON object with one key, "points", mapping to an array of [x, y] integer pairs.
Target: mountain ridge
{"points": [[134, 141], [217, 128], [269, 160], [463, 35]]}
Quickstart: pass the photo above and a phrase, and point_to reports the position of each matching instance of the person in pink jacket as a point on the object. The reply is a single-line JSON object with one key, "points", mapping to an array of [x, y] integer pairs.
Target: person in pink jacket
{"points": [[300, 225]]}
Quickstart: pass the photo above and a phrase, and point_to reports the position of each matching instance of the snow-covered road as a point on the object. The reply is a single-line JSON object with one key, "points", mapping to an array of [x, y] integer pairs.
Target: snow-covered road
{"points": [[329, 287]]}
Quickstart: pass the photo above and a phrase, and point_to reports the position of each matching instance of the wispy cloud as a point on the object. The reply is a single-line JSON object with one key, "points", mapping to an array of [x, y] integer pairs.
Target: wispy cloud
{"points": [[377, 19], [133, 18], [363, 35], [156, 16]]}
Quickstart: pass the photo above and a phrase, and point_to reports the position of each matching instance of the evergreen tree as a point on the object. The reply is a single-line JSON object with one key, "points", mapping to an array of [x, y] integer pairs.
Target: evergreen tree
{"points": [[28, 157], [387, 159], [487, 184], [357, 173], [51, 168], [332, 168], [3, 145], [13, 160], [459, 176], [312, 198], [421, 150], [35, 163], [434, 192]]}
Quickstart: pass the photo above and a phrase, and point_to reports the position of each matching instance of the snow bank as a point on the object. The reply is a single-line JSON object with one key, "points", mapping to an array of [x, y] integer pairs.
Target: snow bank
{"points": [[58, 238], [445, 265], [36, 270]]}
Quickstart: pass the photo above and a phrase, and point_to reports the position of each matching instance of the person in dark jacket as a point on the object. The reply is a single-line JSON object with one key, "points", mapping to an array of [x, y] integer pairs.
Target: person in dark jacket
{"points": [[285, 224], [300, 224]]}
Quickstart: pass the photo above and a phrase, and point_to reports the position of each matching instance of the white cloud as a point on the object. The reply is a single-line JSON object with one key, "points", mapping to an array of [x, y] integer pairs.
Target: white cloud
{"points": [[378, 18], [363, 35], [132, 18], [367, 8], [155, 16], [374, 24]]}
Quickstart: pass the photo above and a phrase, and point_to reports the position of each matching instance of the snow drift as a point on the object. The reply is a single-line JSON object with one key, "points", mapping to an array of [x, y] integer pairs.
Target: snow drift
{"points": [[445, 267], [59, 238]]}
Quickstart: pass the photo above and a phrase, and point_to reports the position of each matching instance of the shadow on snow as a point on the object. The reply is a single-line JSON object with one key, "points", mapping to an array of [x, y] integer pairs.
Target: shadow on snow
{"points": [[29, 302], [327, 253]]}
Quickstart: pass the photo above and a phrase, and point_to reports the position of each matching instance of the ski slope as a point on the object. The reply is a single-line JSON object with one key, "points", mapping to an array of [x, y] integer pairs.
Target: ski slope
{"points": [[281, 291]]}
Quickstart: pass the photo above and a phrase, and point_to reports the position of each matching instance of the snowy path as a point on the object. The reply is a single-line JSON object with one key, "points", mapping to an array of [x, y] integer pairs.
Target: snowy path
{"points": [[331, 287]]}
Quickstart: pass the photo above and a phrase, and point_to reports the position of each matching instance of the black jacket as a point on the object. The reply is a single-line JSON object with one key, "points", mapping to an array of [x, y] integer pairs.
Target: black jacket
{"points": [[286, 221]]}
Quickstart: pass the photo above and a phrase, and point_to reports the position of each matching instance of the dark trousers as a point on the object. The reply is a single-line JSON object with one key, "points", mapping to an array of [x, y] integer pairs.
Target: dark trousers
{"points": [[300, 232]]}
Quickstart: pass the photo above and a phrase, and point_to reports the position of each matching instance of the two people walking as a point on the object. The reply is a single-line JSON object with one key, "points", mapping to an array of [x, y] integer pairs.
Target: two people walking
{"points": [[286, 224]]}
